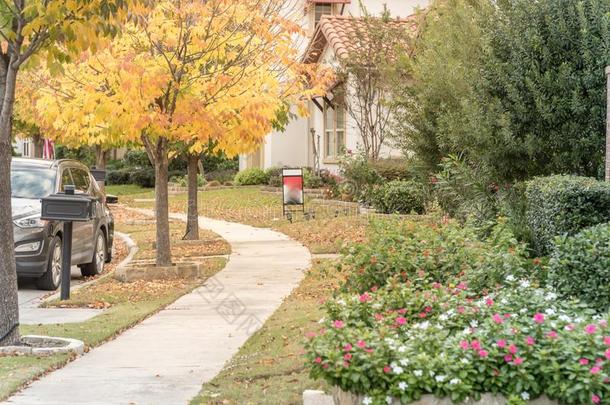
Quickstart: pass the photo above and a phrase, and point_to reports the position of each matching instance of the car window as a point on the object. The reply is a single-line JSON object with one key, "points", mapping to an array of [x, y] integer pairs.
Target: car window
{"points": [[34, 183], [82, 181], [66, 179]]}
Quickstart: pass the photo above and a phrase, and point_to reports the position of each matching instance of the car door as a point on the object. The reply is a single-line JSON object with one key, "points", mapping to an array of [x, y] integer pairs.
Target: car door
{"points": [[83, 231]]}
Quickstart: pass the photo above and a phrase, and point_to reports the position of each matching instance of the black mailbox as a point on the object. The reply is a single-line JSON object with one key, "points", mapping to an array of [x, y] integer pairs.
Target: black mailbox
{"points": [[66, 207], [98, 174]]}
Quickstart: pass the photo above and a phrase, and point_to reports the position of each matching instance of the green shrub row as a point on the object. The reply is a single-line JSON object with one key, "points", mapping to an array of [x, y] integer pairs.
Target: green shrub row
{"points": [[398, 197]]}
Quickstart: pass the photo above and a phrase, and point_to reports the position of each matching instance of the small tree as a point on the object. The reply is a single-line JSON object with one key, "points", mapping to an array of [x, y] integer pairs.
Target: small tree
{"points": [[30, 26], [369, 72]]}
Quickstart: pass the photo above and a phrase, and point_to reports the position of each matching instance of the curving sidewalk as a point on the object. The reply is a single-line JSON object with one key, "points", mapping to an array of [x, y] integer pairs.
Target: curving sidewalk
{"points": [[166, 358]]}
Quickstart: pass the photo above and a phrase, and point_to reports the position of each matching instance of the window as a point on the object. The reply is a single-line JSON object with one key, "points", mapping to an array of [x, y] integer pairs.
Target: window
{"points": [[26, 149], [66, 180], [334, 131], [321, 9], [82, 181]]}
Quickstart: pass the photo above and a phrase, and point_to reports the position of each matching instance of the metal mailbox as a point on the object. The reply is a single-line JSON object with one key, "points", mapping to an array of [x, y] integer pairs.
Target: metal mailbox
{"points": [[66, 207], [98, 174]]}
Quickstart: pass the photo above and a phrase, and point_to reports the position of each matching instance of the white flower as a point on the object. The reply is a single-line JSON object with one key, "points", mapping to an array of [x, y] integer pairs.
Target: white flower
{"points": [[341, 302], [321, 320], [565, 318], [525, 283], [367, 401], [523, 310], [467, 331], [418, 373], [504, 301], [550, 311], [402, 385], [510, 278], [397, 369], [431, 373], [424, 325], [443, 317], [440, 378], [525, 396], [474, 323], [388, 399], [551, 296], [404, 362], [465, 361], [455, 381], [402, 349]]}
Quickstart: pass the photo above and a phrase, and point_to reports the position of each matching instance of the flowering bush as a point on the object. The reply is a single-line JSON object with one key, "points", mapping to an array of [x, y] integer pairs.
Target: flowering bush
{"points": [[436, 252], [404, 341]]}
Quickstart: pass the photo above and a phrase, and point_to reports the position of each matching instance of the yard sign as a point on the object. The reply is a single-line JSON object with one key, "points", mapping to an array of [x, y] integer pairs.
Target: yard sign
{"points": [[293, 193]]}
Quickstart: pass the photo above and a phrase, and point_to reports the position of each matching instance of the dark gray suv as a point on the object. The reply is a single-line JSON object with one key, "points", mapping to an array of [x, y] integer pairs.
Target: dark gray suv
{"points": [[38, 248]]}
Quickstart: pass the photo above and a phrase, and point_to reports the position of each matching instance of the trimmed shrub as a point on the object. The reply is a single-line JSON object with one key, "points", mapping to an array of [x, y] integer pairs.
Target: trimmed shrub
{"points": [[393, 169], [118, 177], [144, 177], [251, 177], [580, 266], [214, 183], [221, 175], [275, 176], [559, 205], [398, 196]]}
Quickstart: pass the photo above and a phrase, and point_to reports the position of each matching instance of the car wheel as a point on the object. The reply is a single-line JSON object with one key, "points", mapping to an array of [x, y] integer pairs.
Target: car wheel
{"points": [[51, 279], [99, 258]]}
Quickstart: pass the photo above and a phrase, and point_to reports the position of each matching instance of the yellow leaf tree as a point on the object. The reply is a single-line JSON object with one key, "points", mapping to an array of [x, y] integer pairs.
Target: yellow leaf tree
{"points": [[61, 28], [190, 72]]}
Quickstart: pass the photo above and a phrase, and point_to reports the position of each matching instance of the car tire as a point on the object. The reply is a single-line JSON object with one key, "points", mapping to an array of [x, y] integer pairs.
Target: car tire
{"points": [[96, 266], [51, 279]]}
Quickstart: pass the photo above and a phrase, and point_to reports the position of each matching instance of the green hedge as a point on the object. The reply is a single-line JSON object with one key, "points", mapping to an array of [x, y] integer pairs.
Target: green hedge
{"points": [[251, 177], [398, 197], [580, 266], [559, 205]]}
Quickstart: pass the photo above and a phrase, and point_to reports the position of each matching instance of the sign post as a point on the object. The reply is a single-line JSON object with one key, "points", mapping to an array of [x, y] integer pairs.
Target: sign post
{"points": [[293, 193], [67, 208]]}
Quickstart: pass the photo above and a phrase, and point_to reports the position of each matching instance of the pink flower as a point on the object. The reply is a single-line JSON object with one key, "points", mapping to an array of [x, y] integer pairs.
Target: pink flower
{"points": [[347, 347], [489, 302], [462, 286], [483, 353], [387, 369], [508, 358], [583, 361], [378, 317], [461, 310], [346, 364], [347, 356], [552, 335], [507, 316], [318, 360], [369, 350], [603, 323], [512, 349], [539, 318], [530, 341], [339, 324], [607, 340], [361, 344], [608, 354], [310, 335], [501, 343], [436, 285], [518, 361], [401, 320], [324, 366], [498, 319], [590, 329], [570, 327], [464, 345], [596, 370], [595, 399], [475, 345], [365, 297]]}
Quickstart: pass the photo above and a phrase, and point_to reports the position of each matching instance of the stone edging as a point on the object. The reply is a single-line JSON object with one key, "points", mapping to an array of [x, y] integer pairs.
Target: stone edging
{"points": [[340, 397], [69, 346]]}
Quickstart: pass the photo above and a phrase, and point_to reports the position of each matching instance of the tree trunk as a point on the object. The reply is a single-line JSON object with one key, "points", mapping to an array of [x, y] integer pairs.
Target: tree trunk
{"points": [[9, 310], [38, 142], [192, 222], [101, 157], [164, 254]]}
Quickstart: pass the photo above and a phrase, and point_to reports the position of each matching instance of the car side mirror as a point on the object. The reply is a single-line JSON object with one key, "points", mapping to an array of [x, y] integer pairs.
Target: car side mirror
{"points": [[112, 199]]}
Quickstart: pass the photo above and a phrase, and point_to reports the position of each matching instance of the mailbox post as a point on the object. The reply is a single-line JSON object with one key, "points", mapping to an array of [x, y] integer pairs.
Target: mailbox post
{"points": [[67, 208]]}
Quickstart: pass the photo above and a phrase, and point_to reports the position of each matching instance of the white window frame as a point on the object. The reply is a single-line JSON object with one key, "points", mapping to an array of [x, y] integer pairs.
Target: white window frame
{"points": [[332, 136]]}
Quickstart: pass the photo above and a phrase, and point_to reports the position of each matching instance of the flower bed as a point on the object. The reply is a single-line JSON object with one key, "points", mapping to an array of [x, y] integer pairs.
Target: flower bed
{"points": [[518, 342]]}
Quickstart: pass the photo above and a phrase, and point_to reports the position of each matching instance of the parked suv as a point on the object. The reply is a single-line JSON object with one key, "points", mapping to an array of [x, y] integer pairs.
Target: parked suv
{"points": [[38, 247]]}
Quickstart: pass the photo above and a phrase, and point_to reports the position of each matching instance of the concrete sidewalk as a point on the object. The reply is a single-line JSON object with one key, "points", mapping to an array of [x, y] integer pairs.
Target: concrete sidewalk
{"points": [[166, 359]]}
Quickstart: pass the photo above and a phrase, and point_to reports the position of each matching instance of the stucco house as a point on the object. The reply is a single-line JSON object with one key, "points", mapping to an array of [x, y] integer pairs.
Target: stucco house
{"points": [[328, 130]]}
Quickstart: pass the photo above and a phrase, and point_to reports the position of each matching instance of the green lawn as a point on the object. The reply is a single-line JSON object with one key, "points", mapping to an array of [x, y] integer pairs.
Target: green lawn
{"points": [[127, 190], [270, 368]]}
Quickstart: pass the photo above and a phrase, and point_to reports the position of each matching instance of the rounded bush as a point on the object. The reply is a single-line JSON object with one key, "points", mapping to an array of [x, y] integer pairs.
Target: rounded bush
{"points": [[144, 177], [275, 176], [399, 197], [580, 266], [251, 177]]}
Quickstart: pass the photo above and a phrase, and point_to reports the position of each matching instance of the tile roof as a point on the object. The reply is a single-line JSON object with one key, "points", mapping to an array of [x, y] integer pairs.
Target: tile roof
{"points": [[341, 33]]}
